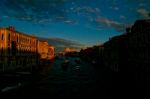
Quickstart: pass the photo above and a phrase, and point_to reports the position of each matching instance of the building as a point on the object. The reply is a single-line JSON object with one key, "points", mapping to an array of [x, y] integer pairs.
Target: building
{"points": [[115, 52], [45, 51], [19, 50], [139, 51], [93, 54], [3, 46], [68, 50], [42, 49], [130, 52], [51, 53]]}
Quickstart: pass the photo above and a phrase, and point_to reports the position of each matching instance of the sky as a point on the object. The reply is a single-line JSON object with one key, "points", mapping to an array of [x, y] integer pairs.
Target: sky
{"points": [[79, 23]]}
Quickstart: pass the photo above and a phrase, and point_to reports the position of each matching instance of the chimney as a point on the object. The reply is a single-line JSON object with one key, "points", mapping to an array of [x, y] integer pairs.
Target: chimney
{"points": [[11, 28]]}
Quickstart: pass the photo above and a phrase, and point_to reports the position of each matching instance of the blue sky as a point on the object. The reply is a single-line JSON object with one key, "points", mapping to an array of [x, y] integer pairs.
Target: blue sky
{"points": [[86, 22]]}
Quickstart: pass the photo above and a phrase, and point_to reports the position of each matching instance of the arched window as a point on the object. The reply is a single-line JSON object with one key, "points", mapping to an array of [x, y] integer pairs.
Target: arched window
{"points": [[17, 39], [2, 36], [9, 36]]}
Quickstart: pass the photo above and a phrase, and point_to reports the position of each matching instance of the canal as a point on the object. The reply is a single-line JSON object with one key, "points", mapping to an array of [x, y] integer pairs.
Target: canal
{"points": [[79, 79]]}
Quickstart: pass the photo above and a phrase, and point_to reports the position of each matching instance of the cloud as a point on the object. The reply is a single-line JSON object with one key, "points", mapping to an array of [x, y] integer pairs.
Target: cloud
{"points": [[65, 41], [142, 4], [34, 10], [61, 43], [5, 16], [89, 26], [143, 12], [114, 8], [38, 11], [69, 21], [122, 17], [67, 11], [86, 10], [110, 23]]}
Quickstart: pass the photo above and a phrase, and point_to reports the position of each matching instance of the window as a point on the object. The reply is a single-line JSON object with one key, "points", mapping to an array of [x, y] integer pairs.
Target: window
{"points": [[2, 36], [17, 39], [9, 36]]}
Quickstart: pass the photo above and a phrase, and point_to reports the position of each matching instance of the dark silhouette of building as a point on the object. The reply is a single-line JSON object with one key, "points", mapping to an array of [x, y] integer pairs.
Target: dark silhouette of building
{"points": [[127, 54]]}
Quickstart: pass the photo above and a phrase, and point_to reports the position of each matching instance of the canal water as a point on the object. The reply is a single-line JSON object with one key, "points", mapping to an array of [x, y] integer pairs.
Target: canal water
{"points": [[80, 79]]}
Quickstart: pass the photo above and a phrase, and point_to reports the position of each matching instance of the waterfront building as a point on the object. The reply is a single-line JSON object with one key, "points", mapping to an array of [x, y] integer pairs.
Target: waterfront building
{"points": [[20, 50]]}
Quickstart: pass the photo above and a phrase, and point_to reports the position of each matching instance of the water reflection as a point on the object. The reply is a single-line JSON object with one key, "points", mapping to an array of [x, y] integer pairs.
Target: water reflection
{"points": [[44, 70], [76, 79]]}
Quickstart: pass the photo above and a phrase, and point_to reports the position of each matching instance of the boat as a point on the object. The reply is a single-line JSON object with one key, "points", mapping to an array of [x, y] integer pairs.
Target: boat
{"points": [[65, 64]]}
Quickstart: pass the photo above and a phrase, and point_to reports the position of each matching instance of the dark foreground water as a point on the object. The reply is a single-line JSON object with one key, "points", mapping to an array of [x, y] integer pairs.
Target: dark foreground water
{"points": [[79, 80]]}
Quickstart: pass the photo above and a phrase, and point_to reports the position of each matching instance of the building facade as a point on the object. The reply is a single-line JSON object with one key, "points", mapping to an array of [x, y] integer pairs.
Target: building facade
{"points": [[51, 53], [42, 49], [130, 53], [3, 46], [19, 50]]}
